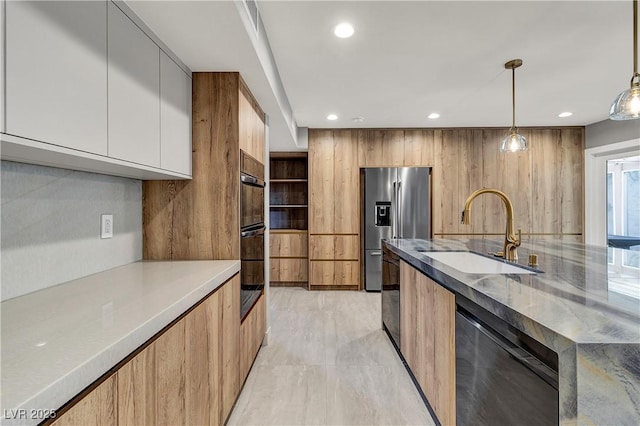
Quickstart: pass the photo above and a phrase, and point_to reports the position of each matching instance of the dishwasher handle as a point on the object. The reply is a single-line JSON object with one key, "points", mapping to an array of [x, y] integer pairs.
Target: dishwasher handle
{"points": [[515, 351]]}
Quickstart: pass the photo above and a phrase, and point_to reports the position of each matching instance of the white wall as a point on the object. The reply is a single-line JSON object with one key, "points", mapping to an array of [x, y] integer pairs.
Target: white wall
{"points": [[50, 225]]}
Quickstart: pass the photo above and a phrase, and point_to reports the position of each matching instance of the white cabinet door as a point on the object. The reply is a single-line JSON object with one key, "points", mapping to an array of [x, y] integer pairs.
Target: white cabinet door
{"points": [[175, 117], [56, 74], [134, 92]]}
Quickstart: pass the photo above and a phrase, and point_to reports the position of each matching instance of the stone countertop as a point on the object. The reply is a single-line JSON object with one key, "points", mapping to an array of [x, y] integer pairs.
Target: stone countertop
{"points": [[585, 309], [57, 341]]}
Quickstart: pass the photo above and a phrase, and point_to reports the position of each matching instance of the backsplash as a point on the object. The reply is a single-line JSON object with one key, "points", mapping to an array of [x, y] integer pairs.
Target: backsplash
{"points": [[51, 225]]}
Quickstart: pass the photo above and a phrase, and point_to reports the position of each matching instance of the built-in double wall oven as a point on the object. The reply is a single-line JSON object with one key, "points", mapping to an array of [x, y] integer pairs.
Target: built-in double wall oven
{"points": [[251, 231]]}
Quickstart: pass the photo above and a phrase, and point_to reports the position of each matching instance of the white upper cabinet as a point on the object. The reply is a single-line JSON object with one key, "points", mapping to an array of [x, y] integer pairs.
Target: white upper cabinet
{"points": [[56, 74], [175, 117], [134, 92]]}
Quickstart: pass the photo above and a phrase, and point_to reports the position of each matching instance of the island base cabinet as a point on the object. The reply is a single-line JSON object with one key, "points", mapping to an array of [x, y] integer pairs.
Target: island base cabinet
{"points": [[427, 339]]}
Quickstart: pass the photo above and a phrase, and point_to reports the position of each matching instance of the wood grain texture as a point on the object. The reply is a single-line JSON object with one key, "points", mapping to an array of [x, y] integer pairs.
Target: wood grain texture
{"points": [[252, 332], [289, 270], [346, 191], [346, 247], [230, 338], [170, 376], [321, 182], [137, 390], [322, 247], [321, 272], [427, 340], [288, 244], [177, 215], [444, 355], [99, 407], [346, 273], [197, 381]]}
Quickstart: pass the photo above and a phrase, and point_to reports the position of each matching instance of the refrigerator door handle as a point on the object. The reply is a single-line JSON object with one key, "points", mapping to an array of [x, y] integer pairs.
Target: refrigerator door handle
{"points": [[400, 227], [375, 253], [394, 211]]}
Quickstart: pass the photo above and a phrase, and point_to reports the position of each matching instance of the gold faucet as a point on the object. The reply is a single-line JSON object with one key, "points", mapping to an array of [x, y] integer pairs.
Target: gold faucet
{"points": [[511, 243]]}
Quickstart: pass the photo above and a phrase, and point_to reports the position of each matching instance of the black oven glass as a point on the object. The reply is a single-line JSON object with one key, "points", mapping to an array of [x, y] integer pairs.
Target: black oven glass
{"points": [[251, 267]]}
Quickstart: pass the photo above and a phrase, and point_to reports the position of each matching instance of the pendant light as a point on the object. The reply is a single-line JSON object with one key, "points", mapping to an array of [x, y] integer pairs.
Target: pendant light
{"points": [[514, 141], [627, 105]]}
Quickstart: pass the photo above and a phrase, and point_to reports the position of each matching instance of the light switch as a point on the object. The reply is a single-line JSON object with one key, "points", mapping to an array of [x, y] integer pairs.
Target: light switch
{"points": [[106, 227]]}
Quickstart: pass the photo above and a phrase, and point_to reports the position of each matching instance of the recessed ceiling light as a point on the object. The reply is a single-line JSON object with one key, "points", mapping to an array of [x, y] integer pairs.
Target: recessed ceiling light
{"points": [[565, 114], [344, 30], [358, 119], [332, 117], [433, 115]]}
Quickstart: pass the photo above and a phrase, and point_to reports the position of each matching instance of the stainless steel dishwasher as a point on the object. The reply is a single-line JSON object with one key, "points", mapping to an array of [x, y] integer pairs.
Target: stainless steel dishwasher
{"points": [[503, 377]]}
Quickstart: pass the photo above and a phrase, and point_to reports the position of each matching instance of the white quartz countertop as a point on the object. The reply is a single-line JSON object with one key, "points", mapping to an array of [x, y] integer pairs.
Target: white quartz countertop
{"points": [[57, 341]]}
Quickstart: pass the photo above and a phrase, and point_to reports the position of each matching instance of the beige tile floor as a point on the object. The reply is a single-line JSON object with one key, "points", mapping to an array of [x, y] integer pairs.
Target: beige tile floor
{"points": [[328, 363]]}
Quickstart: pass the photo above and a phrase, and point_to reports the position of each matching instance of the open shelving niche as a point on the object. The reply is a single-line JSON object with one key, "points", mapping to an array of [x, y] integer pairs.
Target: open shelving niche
{"points": [[288, 218], [288, 196]]}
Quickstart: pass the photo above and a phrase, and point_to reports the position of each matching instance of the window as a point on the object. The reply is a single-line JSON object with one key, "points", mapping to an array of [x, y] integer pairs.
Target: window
{"points": [[623, 206]]}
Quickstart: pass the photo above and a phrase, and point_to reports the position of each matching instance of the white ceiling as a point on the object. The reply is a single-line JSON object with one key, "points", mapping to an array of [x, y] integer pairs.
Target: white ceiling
{"points": [[408, 59]]}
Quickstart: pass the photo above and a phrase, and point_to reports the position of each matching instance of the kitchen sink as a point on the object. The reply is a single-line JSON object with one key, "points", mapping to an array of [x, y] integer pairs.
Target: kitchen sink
{"points": [[473, 263]]}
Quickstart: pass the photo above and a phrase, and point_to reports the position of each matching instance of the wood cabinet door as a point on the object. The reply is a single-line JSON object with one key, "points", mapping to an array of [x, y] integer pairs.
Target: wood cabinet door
{"points": [[230, 348], [170, 376], [346, 191], [56, 73], [321, 247], [321, 272], [288, 244], [99, 407], [175, 117], [198, 347], [289, 270], [137, 390], [427, 338], [134, 92], [321, 182]]}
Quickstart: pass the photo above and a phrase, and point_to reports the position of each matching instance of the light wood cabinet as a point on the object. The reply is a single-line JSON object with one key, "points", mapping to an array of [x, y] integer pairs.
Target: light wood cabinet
{"points": [[230, 380], [56, 73], [252, 332], [250, 124], [137, 390], [98, 407], [175, 117], [427, 338], [288, 271], [170, 375], [134, 92]]}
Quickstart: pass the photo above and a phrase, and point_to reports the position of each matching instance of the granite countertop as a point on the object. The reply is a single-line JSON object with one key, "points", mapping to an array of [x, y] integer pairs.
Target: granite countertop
{"points": [[57, 341], [585, 309]]}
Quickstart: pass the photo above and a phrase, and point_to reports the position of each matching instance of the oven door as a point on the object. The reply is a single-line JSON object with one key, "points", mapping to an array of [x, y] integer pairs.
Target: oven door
{"points": [[251, 266], [252, 200]]}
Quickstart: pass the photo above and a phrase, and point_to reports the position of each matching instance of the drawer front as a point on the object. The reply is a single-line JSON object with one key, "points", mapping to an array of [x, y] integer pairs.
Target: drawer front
{"points": [[329, 247], [321, 273], [346, 272], [288, 245], [321, 247], [346, 247], [289, 270]]}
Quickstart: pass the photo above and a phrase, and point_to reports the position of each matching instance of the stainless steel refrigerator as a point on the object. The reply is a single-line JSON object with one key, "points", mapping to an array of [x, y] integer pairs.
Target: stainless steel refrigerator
{"points": [[397, 204]]}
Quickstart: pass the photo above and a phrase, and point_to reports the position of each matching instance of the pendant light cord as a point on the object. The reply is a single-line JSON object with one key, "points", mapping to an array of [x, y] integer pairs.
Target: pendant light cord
{"points": [[635, 38], [513, 97]]}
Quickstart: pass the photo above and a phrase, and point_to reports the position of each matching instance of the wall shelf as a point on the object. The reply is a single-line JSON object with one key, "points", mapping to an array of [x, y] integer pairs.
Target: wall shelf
{"points": [[288, 194]]}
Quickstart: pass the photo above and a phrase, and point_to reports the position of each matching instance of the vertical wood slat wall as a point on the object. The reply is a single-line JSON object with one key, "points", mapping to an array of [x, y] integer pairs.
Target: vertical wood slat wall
{"points": [[544, 183]]}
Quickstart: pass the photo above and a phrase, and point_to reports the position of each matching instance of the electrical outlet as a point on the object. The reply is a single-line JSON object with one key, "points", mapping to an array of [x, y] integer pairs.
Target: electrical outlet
{"points": [[106, 228]]}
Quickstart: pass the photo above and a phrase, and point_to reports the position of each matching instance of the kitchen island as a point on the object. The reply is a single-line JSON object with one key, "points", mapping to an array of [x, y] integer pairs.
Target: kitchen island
{"points": [[579, 306], [58, 341]]}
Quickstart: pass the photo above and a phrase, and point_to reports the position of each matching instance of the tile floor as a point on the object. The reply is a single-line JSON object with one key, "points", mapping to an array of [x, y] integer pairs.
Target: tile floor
{"points": [[328, 363]]}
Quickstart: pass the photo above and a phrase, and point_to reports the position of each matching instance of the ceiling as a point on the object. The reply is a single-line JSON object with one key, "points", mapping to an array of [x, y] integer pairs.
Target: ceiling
{"points": [[409, 59]]}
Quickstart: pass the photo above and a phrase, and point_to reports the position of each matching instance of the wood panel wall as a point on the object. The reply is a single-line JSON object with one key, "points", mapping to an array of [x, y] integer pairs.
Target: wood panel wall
{"points": [[544, 183]]}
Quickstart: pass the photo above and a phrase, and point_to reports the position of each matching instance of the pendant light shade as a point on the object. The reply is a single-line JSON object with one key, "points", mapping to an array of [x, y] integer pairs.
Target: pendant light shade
{"points": [[627, 105], [514, 141]]}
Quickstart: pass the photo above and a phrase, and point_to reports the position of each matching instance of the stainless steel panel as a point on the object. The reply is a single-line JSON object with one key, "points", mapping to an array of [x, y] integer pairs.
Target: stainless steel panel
{"points": [[414, 202], [495, 383], [377, 187], [373, 270]]}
